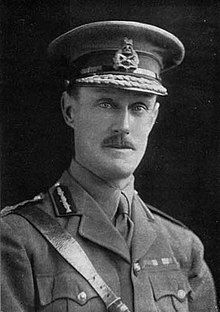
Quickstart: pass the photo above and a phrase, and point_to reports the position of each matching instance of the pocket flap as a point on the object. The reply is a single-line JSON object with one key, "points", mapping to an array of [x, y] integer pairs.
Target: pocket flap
{"points": [[64, 285], [171, 283]]}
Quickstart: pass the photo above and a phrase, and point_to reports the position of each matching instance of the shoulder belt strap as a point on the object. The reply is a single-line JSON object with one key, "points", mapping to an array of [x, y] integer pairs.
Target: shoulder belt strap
{"points": [[73, 253]]}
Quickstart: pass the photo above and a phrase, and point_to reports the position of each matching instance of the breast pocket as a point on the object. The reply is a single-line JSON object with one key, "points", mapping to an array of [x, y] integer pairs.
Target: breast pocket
{"points": [[171, 291], [67, 292]]}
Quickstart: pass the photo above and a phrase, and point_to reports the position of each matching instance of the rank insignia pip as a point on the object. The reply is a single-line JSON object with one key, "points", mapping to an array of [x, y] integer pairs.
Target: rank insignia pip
{"points": [[126, 58]]}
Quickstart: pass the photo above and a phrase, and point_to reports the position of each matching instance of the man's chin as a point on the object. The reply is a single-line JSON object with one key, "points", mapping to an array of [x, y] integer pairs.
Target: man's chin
{"points": [[117, 170]]}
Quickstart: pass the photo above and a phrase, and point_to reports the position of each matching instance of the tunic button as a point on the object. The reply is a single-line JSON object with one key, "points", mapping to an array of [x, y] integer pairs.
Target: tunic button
{"points": [[82, 297], [181, 294], [136, 267]]}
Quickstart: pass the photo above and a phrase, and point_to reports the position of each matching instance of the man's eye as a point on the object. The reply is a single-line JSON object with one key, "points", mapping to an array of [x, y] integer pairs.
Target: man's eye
{"points": [[139, 108], [105, 105]]}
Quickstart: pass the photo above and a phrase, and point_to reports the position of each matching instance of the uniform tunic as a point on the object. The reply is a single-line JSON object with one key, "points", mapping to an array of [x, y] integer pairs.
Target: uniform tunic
{"points": [[164, 269]]}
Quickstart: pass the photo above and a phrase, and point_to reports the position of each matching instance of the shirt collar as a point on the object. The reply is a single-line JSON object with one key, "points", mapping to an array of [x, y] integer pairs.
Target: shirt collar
{"points": [[106, 195]]}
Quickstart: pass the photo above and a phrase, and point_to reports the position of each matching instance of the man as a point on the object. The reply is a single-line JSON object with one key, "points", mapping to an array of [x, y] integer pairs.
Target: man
{"points": [[149, 260]]}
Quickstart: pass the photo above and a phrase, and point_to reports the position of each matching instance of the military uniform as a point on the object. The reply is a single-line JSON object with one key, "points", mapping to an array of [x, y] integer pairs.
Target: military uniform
{"points": [[161, 267], [163, 270]]}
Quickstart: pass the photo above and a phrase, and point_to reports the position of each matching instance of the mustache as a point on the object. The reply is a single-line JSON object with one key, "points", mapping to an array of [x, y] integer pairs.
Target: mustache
{"points": [[118, 141]]}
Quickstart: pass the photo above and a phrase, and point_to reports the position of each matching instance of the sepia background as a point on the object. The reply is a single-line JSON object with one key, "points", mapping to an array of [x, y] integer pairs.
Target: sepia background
{"points": [[179, 171]]}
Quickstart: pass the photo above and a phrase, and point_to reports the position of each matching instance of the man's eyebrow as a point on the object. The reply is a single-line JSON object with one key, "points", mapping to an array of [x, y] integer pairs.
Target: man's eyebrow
{"points": [[105, 98], [104, 90]]}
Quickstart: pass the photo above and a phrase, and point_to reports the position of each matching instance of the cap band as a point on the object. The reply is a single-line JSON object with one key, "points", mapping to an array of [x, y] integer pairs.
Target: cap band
{"points": [[140, 71]]}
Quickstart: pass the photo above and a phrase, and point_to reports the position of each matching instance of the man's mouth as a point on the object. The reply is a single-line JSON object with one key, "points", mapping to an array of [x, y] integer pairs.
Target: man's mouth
{"points": [[119, 146]]}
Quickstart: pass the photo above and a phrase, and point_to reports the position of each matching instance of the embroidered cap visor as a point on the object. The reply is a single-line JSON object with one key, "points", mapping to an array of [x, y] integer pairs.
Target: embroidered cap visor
{"points": [[126, 55]]}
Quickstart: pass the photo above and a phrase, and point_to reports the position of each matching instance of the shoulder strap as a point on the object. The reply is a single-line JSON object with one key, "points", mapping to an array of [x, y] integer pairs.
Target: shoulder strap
{"points": [[72, 252], [10, 209], [165, 216], [151, 211]]}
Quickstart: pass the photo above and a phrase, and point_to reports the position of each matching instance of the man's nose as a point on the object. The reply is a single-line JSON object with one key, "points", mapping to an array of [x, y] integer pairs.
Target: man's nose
{"points": [[122, 122]]}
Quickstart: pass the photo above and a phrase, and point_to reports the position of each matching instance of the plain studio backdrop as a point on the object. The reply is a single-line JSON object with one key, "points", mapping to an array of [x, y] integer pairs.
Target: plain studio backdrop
{"points": [[179, 171]]}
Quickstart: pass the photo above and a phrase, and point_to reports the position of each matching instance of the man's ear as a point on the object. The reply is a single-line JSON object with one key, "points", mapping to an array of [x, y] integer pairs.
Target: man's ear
{"points": [[156, 111], [68, 109]]}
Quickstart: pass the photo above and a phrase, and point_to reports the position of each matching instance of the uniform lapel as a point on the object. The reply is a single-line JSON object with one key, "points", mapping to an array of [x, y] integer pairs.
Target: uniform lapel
{"points": [[94, 225], [150, 245], [144, 232]]}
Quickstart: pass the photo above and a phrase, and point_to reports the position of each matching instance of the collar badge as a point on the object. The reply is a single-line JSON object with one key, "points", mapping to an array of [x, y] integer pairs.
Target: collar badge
{"points": [[63, 199], [126, 58]]}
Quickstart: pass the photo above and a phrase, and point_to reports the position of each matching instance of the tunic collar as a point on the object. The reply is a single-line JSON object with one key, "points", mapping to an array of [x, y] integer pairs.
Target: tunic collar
{"points": [[106, 195]]}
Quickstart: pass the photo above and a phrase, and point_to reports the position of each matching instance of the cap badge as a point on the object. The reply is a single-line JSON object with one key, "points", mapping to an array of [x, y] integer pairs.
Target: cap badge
{"points": [[126, 58]]}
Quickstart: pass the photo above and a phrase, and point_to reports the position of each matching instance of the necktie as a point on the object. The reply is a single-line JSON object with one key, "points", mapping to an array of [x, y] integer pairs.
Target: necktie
{"points": [[123, 223]]}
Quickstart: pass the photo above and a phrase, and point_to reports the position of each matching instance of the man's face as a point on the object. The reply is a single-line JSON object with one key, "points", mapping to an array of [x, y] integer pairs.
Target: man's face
{"points": [[111, 128]]}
